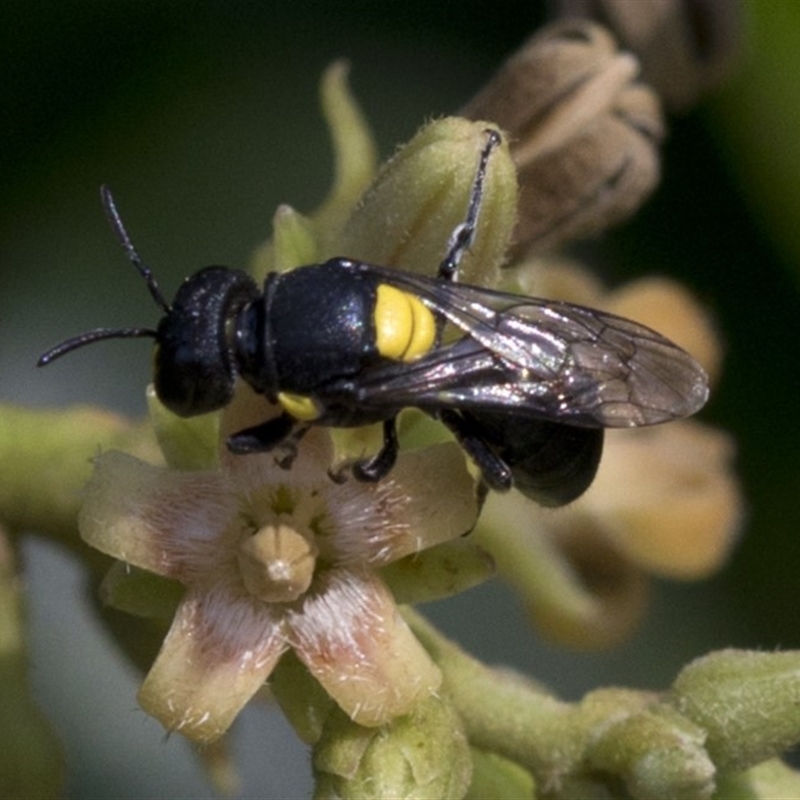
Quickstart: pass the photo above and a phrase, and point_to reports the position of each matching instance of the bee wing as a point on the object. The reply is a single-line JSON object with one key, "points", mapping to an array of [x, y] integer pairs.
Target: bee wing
{"points": [[542, 358]]}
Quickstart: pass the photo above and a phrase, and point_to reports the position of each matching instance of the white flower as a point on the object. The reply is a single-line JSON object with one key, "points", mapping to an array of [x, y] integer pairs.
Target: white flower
{"points": [[274, 559]]}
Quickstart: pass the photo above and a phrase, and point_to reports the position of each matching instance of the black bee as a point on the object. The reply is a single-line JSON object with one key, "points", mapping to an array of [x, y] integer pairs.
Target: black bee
{"points": [[526, 385]]}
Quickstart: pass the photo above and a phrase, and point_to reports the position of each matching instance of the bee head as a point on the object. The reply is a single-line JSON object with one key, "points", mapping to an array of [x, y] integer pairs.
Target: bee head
{"points": [[195, 364]]}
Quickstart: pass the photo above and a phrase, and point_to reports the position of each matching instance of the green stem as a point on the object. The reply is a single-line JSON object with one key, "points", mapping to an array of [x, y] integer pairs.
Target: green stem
{"points": [[46, 457], [31, 759], [504, 712]]}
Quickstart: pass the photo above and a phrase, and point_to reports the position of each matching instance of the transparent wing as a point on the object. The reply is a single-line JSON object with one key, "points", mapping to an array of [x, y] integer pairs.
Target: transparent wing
{"points": [[546, 359]]}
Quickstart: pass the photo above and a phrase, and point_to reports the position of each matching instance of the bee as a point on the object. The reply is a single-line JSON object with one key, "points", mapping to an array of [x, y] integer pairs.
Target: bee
{"points": [[527, 386]]}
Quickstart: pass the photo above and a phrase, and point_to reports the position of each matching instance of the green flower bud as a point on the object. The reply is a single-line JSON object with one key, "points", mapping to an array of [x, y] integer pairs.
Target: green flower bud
{"points": [[407, 216], [657, 753], [748, 703], [421, 755], [186, 442]]}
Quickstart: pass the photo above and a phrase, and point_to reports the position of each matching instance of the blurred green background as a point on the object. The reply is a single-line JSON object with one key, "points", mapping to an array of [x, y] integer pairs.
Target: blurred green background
{"points": [[202, 117]]}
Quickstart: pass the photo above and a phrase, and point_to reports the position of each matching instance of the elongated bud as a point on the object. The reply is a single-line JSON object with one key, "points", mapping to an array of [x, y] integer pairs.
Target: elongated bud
{"points": [[420, 196], [584, 134], [685, 46]]}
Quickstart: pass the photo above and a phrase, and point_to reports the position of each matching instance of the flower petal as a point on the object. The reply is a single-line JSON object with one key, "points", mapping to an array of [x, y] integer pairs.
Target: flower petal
{"points": [[666, 497], [349, 634], [162, 520], [669, 308], [219, 651], [422, 755], [428, 498]]}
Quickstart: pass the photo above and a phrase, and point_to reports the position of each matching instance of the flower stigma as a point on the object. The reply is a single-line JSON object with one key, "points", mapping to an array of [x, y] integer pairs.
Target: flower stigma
{"points": [[277, 563]]}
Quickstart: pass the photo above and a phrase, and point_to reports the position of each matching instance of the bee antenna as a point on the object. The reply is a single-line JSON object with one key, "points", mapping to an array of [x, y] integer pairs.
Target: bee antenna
{"points": [[93, 336], [110, 207]]}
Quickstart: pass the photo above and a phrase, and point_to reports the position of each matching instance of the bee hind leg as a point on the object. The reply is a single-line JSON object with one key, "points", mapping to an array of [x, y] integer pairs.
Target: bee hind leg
{"points": [[496, 474]]}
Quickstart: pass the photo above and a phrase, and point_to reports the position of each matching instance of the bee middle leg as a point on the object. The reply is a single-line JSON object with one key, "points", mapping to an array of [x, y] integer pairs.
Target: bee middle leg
{"points": [[266, 436], [374, 469]]}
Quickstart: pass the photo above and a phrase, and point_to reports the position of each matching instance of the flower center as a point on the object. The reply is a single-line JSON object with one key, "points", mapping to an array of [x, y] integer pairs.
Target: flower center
{"points": [[277, 563]]}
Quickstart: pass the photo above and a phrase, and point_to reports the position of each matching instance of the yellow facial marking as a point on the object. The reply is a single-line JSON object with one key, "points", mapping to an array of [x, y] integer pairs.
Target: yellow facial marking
{"points": [[404, 328], [300, 407]]}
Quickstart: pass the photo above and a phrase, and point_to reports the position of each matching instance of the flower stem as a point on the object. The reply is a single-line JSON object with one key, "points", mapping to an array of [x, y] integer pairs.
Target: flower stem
{"points": [[503, 712], [45, 458]]}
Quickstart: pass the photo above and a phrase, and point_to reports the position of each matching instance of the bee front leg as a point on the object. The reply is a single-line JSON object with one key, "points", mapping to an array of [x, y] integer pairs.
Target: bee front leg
{"points": [[262, 438]]}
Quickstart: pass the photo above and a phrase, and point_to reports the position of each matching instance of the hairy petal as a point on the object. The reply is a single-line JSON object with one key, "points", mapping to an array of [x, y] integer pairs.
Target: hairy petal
{"points": [[162, 520], [221, 648], [349, 634], [427, 499]]}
